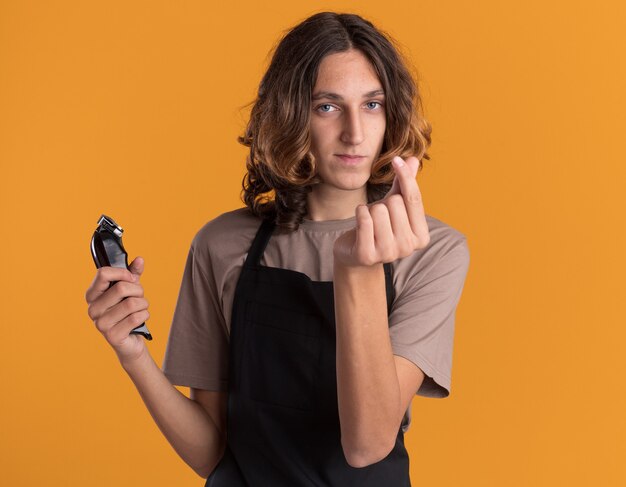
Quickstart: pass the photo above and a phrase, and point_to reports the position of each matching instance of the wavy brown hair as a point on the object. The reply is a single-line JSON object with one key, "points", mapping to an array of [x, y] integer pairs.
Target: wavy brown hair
{"points": [[281, 169]]}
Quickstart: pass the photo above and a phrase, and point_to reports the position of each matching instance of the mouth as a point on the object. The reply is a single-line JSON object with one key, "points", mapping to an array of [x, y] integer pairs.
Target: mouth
{"points": [[350, 159]]}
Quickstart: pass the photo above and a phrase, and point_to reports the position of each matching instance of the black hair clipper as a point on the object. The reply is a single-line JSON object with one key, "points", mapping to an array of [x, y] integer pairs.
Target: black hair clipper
{"points": [[107, 250]]}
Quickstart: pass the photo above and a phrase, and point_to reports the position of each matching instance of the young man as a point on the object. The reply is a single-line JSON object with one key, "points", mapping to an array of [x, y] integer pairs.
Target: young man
{"points": [[307, 320]]}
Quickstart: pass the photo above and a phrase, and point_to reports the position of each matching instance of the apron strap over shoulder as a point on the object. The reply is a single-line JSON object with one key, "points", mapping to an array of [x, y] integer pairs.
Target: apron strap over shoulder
{"points": [[259, 243]]}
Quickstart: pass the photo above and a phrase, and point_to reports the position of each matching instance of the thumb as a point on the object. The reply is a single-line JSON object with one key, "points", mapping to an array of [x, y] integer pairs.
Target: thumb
{"points": [[136, 266], [414, 163]]}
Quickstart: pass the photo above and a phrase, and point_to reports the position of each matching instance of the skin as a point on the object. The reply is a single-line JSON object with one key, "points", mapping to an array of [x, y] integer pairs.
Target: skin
{"points": [[354, 125], [195, 427], [374, 386]]}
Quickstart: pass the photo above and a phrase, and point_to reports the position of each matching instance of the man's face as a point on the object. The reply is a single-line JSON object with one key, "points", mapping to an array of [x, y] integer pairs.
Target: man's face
{"points": [[348, 119]]}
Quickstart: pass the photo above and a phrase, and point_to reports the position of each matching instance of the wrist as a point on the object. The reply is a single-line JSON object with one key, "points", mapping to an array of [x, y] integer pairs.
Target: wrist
{"points": [[356, 268], [357, 275], [139, 362]]}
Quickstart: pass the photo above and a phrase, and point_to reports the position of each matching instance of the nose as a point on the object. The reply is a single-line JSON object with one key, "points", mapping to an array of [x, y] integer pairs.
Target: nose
{"points": [[352, 132]]}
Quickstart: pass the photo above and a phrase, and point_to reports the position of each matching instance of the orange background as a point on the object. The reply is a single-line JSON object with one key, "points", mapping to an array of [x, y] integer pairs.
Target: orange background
{"points": [[133, 108]]}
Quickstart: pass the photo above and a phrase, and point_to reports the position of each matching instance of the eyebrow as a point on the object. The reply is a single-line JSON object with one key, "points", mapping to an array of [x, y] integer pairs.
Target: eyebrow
{"points": [[335, 96]]}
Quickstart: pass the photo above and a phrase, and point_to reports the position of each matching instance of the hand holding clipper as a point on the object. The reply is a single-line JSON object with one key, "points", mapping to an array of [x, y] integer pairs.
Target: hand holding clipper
{"points": [[107, 250]]}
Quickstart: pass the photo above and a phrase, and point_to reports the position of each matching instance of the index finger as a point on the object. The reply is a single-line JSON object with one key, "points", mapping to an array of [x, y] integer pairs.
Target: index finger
{"points": [[104, 276], [411, 193]]}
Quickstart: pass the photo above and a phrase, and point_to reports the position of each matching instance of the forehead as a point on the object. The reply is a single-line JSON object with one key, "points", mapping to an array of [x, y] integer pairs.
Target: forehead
{"points": [[346, 70]]}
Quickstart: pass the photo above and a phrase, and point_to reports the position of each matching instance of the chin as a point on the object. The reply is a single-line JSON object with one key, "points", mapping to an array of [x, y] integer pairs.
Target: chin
{"points": [[341, 177], [348, 185]]}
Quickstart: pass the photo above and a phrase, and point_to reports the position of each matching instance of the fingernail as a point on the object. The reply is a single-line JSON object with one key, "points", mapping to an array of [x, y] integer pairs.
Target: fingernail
{"points": [[397, 161]]}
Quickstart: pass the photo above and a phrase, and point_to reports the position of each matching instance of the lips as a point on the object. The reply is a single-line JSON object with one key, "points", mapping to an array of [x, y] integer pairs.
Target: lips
{"points": [[350, 159]]}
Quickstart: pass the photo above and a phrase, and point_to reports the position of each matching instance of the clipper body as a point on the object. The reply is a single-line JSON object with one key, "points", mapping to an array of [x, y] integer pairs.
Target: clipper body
{"points": [[107, 250]]}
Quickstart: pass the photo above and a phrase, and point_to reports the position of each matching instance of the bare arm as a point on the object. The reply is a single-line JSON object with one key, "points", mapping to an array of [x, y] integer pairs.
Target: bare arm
{"points": [[191, 429], [195, 428], [374, 387]]}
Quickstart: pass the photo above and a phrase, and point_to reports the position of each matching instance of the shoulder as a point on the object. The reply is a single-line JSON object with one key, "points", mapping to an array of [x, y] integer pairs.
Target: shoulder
{"points": [[447, 250], [230, 227], [444, 238], [223, 241]]}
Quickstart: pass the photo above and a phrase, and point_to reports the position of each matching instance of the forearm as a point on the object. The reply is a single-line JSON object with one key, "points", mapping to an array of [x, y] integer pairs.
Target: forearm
{"points": [[186, 425], [367, 382]]}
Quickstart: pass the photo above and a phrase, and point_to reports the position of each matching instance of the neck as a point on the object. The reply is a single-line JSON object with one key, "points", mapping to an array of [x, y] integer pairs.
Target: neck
{"points": [[336, 204]]}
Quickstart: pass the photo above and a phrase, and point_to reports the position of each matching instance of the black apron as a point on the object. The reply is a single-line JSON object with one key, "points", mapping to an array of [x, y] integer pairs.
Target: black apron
{"points": [[283, 419]]}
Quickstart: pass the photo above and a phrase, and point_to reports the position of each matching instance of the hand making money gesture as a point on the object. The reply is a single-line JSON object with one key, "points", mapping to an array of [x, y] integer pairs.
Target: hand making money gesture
{"points": [[388, 229]]}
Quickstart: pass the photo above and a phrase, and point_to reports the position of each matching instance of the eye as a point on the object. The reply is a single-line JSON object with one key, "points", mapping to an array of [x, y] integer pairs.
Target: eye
{"points": [[323, 106], [376, 102]]}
